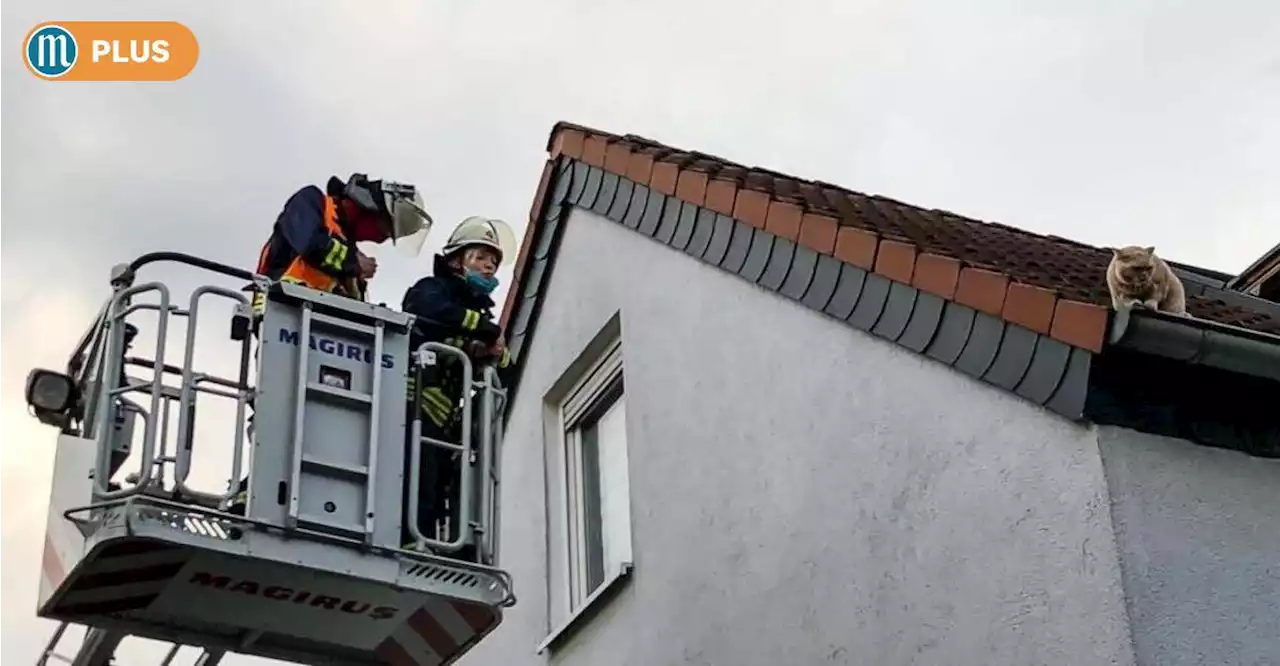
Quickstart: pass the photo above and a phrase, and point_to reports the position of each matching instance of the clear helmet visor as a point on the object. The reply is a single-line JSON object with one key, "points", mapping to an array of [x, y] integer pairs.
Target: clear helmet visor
{"points": [[506, 240], [410, 224]]}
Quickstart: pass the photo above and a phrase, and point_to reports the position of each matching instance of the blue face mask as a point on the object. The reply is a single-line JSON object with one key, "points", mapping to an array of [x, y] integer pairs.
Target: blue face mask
{"points": [[480, 283]]}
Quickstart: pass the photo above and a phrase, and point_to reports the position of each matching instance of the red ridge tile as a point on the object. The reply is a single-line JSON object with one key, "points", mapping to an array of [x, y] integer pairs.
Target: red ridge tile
{"points": [[664, 177], [721, 195], [617, 157], [691, 186], [1081, 324], [593, 150], [752, 207], [857, 247], [1031, 307], [818, 233], [896, 260], [568, 142], [783, 219], [982, 290], [937, 275], [640, 167]]}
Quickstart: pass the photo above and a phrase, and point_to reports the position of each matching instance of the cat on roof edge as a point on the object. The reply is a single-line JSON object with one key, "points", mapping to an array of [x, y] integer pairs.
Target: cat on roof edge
{"points": [[1137, 277]]}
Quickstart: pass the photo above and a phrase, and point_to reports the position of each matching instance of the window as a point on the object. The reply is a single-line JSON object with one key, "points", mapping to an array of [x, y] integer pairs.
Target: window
{"points": [[598, 506], [588, 499]]}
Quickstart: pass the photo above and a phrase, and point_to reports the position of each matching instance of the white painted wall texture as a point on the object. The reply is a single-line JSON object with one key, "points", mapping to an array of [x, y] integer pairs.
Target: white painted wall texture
{"points": [[804, 493], [1199, 533]]}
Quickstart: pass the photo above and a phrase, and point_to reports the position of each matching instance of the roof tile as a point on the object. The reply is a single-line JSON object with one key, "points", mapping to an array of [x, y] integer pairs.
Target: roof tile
{"points": [[640, 167], [593, 150], [856, 246], [1081, 324], [752, 207], [720, 195], [1029, 306], [990, 253], [692, 186], [937, 274], [665, 175], [568, 143], [818, 233], [783, 219], [617, 156], [896, 260], [982, 290]]}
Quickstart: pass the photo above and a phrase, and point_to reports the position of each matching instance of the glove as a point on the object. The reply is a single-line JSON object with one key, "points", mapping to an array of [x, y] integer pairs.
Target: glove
{"points": [[478, 351]]}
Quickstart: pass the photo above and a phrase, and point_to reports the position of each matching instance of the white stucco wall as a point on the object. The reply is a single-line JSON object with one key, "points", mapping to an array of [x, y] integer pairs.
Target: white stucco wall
{"points": [[1199, 535], [804, 493]]}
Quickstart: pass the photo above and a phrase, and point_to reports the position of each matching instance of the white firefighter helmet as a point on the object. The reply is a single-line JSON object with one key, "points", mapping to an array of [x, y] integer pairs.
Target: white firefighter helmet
{"points": [[486, 231], [400, 205]]}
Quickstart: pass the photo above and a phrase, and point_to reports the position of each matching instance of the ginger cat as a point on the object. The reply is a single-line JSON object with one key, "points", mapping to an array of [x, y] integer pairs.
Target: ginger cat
{"points": [[1136, 276]]}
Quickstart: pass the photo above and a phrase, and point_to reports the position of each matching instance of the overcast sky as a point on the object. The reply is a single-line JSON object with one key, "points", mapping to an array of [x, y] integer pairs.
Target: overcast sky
{"points": [[1108, 122]]}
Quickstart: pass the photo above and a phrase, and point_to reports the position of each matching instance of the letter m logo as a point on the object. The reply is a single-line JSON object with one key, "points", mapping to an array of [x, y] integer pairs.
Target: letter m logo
{"points": [[53, 50]]}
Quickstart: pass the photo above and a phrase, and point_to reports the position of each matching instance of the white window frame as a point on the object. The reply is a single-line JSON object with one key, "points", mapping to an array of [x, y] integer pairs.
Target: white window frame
{"points": [[600, 391]]}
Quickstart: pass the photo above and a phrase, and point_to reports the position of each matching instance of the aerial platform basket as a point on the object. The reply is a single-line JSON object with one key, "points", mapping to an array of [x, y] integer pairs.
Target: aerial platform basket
{"points": [[312, 570]]}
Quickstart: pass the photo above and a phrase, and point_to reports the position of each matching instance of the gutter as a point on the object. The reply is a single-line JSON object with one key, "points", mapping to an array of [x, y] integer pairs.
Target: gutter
{"points": [[1198, 342]]}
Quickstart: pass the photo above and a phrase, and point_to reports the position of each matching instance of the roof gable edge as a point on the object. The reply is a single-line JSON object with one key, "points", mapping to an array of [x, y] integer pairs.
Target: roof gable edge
{"points": [[937, 305], [969, 319]]}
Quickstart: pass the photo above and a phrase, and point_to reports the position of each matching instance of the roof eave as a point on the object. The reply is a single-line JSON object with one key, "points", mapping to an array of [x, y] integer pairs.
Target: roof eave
{"points": [[1198, 342]]}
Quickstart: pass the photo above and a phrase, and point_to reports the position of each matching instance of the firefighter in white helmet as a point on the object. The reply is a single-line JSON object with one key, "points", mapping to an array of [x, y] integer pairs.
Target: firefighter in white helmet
{"points": [[454, 306]]}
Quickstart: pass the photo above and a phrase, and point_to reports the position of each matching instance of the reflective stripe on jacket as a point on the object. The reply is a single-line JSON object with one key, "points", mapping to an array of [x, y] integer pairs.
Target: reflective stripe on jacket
{"points": [[309, 246]]}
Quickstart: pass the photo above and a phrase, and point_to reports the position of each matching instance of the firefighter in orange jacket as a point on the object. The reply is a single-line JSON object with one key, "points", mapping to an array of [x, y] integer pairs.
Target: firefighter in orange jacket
{"points": [[313, 242]]}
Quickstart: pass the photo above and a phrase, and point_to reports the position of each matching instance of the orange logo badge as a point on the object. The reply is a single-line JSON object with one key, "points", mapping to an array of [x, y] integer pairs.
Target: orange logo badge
{"points": [[111, 51]]}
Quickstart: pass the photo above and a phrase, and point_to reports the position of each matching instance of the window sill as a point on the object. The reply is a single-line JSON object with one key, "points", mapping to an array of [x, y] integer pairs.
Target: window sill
{"points": [[589, 607]]}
